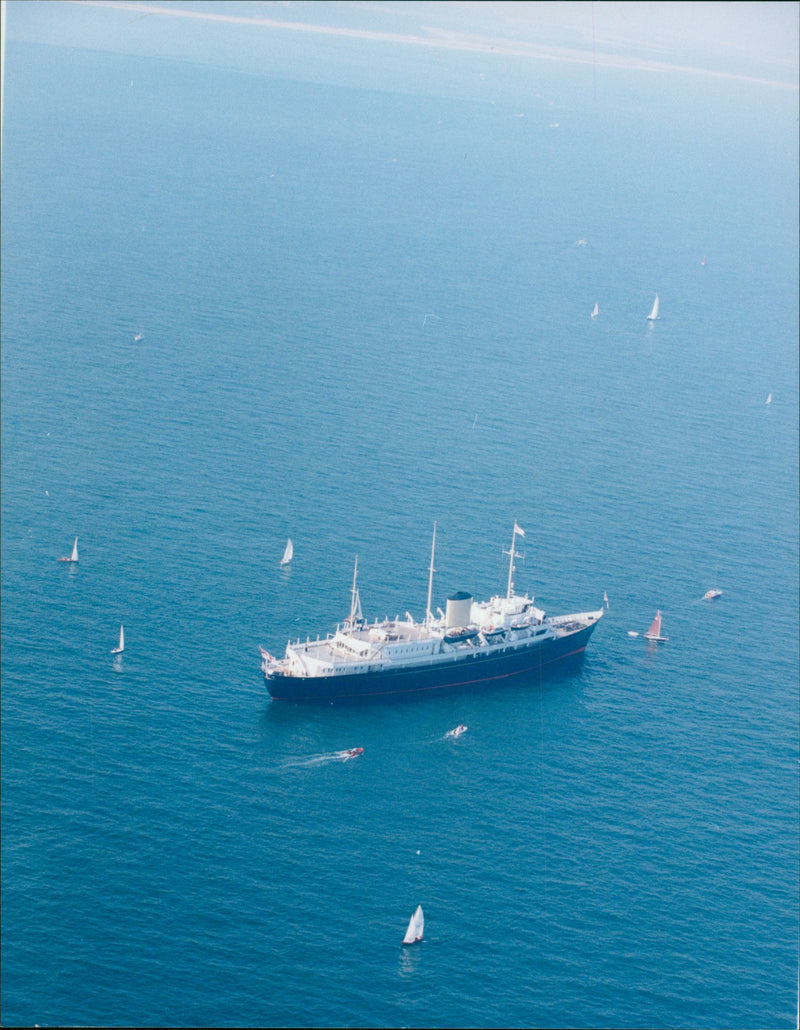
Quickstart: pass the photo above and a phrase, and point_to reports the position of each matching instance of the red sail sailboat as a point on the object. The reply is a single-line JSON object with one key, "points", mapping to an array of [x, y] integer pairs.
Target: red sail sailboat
{"points": [[654, 633]]}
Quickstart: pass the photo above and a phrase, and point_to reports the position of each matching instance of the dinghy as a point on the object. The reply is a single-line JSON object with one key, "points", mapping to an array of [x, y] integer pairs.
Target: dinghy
{"points": [[74, 555], [416, 925], [121, 645], [654, 633], [288, 553], [654, 313]]}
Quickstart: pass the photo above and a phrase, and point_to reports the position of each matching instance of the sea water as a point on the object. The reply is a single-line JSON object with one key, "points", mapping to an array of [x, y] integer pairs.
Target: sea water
{"points": [[238, 308]]}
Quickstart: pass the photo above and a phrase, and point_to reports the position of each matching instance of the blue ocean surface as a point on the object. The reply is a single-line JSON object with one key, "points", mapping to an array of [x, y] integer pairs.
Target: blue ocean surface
{"points": [[242, 307]]}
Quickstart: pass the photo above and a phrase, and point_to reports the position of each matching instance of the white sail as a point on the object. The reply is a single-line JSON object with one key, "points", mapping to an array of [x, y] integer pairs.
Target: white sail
{"points": [[74, 555], [121, 646], [769, 398], [288, 554], [595, 311], [416, 927], [654, 313]]}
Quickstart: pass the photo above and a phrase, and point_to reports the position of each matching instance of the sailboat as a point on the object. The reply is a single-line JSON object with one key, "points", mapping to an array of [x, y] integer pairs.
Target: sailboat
{"points": [[74, 555], [654, 313], [121, 646], [769, 399], [595, 311], [416, 925], [709, 595], [654, 633], [288, 553]]}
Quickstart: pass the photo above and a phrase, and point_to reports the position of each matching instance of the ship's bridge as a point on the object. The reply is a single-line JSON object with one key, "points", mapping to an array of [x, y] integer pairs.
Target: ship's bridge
{"points": [[503, 611], [351, 645]]}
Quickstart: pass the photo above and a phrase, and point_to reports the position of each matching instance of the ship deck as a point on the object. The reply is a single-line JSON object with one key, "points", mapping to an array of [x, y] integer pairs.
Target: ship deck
{"points": [[403, 643]]}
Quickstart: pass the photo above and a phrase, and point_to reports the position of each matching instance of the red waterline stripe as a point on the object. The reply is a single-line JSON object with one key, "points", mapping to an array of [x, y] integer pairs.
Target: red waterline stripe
{"points": [[440, 686]]}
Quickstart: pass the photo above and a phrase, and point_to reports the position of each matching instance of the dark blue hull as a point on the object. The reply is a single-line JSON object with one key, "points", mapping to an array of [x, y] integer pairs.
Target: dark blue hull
{"points": [[476, 670]]}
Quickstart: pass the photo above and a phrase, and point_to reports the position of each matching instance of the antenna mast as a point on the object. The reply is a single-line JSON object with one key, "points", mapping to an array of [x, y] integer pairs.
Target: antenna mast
{"points": [[512, 554]]}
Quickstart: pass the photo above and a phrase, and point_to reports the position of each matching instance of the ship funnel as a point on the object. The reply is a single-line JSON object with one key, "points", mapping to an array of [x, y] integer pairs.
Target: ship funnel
{"points": [[459, 607]]}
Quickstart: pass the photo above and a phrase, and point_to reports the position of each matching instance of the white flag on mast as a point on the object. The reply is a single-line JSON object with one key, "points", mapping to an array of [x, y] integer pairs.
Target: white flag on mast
{"points": [[521, 532]]}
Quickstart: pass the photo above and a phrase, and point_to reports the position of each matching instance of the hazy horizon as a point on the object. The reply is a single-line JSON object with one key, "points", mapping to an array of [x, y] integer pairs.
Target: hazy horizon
{"points": [[742, 40]]}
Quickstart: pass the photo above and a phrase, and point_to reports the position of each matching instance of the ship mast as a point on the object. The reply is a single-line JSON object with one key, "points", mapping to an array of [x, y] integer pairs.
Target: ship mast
{"points": [[428, 616], [353, 597], [512, 554]]}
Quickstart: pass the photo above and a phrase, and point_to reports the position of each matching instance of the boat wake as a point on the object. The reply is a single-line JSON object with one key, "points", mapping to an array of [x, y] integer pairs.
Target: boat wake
{"points": [[409, 961], [313, 761]]}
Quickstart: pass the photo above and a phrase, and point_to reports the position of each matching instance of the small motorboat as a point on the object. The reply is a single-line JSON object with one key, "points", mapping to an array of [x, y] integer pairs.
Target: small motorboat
{"points": [[461, 633], [714, 592], [354, 752], [457, 731], [493, 632]]}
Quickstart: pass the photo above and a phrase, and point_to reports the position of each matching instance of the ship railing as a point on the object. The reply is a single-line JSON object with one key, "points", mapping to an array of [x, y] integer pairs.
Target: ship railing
{"points": [[564, 624]]}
